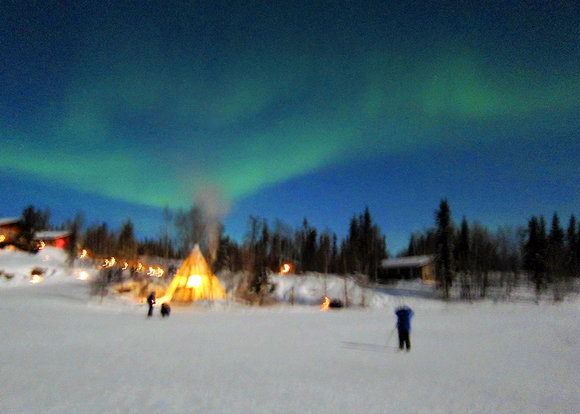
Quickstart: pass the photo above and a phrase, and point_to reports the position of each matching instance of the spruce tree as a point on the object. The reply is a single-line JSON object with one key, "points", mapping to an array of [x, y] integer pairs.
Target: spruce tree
{"points": [[33, 220], [75, 228], [556, 256], [324, 252], [463, 256], [535, 252], [365, 247], [483, 256], [444, 258], [462, 250], [334, 256], [412, 247], [126, 243], [572, 248], [308, 236]]}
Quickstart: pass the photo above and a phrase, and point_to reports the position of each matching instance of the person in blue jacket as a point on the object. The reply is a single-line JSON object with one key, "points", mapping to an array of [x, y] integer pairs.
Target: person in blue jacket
{"points": [[404, 315]]}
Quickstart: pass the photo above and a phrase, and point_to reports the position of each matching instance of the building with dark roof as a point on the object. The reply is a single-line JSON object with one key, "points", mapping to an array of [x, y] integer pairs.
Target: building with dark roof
{"points": [[410, 267]]}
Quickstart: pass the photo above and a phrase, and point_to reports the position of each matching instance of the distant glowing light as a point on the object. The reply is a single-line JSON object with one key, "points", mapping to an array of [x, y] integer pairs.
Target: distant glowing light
{"points": [[60, 243], [194, 281], [41, 245], [325, 304], [286, 267], [155, 271], [84, 253], [110, 262], [83, 275], [35, 279], [2, 238], [125, 266]]}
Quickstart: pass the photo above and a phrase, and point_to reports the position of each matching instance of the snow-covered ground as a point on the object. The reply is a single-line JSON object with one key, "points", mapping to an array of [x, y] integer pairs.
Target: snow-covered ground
{"points": [[65, 352]]}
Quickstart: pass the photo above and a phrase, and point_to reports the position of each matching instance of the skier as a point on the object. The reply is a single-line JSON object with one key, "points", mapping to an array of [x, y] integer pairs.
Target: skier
{"points": [[404, 315], [150, 302]]}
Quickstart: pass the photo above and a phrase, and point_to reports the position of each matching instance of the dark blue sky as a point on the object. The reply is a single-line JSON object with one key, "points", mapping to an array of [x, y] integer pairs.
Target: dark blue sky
{"points": [[290, 110]]}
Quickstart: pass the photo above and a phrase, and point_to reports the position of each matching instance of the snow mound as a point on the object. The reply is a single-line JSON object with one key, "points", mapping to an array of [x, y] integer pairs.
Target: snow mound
{"points": [[17, 266], [312, 288]]}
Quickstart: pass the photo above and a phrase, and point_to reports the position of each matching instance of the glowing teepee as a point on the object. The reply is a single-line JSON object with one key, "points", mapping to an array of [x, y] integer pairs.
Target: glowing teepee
{"points": [[193, 281]]}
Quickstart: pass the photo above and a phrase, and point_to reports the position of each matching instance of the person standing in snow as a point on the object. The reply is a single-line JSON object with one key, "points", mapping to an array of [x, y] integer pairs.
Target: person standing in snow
{"points": [[150, 302], [404, 315]]}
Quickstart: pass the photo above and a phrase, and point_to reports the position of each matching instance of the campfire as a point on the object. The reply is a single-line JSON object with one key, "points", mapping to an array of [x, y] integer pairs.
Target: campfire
{"points": [[157, 272], [286, 268], [36, 275], [35, 278], [330, 303], [83, 275]]}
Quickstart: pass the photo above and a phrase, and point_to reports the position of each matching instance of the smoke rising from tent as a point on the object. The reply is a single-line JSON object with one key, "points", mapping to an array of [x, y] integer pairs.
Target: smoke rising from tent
{"points": [[213, 208]]}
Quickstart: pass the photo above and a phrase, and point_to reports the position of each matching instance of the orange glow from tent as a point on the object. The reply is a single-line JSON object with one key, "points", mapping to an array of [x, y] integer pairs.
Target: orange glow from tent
{"points": [[2, 238], [193, 281], [60, 243], [286, 267], [325, 304], [160, 301]]}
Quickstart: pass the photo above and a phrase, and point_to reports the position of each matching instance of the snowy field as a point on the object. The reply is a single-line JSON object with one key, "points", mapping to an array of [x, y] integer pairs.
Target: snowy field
{"points": [[65, 352]]}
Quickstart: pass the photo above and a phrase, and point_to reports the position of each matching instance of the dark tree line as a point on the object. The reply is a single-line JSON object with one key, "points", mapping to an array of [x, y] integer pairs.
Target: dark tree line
{"points": [[552, 257], [364, 248], [264, 249], [467, 256]]}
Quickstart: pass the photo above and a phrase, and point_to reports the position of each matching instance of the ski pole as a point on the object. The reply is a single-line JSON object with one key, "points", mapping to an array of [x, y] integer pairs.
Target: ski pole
{"points": [[390, 335]]}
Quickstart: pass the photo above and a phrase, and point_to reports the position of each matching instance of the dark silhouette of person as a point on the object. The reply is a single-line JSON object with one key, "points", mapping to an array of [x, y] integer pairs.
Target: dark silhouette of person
{"points": [[165, 310], [150, 302], [404, 315]]}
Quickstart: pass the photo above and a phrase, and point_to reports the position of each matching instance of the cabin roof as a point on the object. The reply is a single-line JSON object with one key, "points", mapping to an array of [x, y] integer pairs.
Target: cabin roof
{"points": [[8, 220], [51, 235], [408, 261]]}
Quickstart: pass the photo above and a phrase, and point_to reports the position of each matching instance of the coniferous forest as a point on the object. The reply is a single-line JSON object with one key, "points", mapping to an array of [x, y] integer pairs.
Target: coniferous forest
{"points": [[469, 258]]}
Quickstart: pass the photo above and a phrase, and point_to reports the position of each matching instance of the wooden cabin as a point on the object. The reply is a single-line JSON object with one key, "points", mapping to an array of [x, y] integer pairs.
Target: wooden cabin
{"points": [[10, 227], [58, 238], [410, 267]]}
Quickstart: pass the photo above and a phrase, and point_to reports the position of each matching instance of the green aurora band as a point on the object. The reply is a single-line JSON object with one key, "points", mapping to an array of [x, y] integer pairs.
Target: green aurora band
{"points": [[155, 129]]}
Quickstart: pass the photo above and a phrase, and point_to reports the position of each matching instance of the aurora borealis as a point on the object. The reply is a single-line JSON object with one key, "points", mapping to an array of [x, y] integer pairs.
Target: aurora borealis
{"points": [[291, 109]]}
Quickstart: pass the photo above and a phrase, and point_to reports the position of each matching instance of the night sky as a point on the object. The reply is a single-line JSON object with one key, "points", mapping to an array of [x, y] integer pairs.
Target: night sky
{"points": [[291, 109]]}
